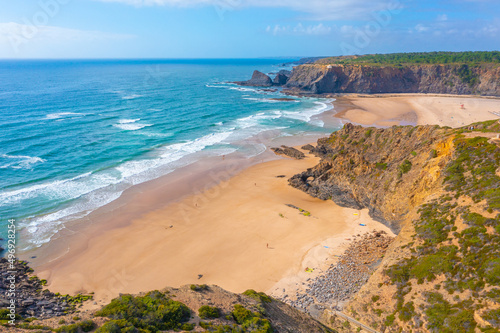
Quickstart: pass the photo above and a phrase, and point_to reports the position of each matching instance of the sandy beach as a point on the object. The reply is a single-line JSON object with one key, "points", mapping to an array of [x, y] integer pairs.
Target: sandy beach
{"points": [[238, 232], [239, 235], [417, 109]]}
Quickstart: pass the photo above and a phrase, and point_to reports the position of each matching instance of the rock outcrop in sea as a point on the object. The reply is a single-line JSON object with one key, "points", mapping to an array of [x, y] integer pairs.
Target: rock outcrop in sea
{"points": [[260, 79]]}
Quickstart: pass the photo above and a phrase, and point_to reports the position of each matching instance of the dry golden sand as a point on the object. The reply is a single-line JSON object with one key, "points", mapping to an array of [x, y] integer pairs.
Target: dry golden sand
{"points": [[232, 234]]}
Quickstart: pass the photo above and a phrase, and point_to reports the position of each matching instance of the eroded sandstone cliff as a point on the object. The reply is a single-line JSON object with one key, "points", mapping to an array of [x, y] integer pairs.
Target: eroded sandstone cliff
{"points": [[438, 79]]}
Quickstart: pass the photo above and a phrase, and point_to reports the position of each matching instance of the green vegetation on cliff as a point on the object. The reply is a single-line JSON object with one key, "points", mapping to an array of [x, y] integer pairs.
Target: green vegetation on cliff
{"points": [[457, 242], [434, 58], [150, 313]]}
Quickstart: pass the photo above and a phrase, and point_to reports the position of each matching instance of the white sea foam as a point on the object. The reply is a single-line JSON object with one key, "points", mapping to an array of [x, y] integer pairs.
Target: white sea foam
{"points": [[254, 120], [130, 124], [242, 89], [59, 189], [263, 100], [131, 96], [43, 228], [214, 86], [128, 121], [62, 115], [19, 161], [233, 87], [305, 115]]}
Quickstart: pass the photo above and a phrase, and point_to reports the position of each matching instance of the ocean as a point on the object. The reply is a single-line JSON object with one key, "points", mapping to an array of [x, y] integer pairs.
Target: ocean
{"points": [[75, 134]]}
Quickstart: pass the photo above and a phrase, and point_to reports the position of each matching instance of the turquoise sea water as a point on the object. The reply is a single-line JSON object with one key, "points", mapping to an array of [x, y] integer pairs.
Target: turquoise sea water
{"points": [[75, 134]]}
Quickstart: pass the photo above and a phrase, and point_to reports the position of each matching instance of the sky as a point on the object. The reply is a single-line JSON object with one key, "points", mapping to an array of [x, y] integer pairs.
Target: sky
{"points": [[243, 28]]}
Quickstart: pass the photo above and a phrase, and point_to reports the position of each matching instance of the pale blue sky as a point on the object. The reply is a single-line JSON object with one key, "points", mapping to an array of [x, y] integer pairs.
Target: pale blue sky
{"points": [[243, 28]]}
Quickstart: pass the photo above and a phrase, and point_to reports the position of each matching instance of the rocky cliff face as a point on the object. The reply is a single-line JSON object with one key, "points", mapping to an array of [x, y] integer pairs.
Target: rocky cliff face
{"points": [[439, 79], [441, 188], [387, 171]]}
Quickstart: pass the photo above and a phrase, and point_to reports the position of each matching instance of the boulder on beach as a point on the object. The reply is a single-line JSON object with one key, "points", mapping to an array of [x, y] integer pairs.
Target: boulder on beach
{"points": [[308, 147], [290, 152]]}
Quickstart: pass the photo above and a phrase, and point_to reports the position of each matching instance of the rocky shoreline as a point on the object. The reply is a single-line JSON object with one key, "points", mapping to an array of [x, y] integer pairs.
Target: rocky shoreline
{"points": [[31, 299], [343, 280]]}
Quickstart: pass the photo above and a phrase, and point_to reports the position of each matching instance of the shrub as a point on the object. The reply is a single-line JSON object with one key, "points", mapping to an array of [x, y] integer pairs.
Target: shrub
{"points": [[250, 321], [261, 297], [198, 287], [493, 317], [4, 315], [85, 326], [405, 167], [492, 270], [241, 314], [117, 326], [187, 327], [208, 312], [389, 320], [152, 312]]}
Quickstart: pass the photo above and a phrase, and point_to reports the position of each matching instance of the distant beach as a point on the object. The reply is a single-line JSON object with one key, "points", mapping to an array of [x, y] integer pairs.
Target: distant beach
{"points": [[416, 109]]}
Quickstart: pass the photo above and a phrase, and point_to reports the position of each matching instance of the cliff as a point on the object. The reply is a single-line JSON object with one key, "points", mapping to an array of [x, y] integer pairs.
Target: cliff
{"points": [[458, 79], [198, 308], [387, 171], [440, 188]]}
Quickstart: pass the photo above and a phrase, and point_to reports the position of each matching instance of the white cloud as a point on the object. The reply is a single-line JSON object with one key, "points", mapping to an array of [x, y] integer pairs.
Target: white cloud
{"points": [[14, 31], [442, 18], [459, 29], [300, 29], [421, 28], [318, 9]]}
